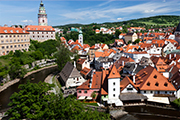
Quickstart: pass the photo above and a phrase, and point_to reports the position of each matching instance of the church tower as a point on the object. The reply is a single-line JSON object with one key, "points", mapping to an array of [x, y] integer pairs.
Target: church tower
{"points": [[80, 37], [42, 16]]}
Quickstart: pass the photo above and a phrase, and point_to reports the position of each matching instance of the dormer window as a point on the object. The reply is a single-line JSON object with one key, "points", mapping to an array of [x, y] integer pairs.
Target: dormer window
{"points": [[155, 76], [28, 28], [23, 31], [36, 28], [157, 84], [5, 31], [11, 31], [17, 31], [165, 84], [148, 84]]}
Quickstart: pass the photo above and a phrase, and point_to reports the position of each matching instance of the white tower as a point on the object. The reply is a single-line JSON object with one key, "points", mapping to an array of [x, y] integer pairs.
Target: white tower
{"points": [[113, 84], [42, 16], [80, 37]]}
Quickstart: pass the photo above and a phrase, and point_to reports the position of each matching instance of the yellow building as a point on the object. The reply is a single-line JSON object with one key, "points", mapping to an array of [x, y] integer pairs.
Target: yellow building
{"points": [[12, 39]]}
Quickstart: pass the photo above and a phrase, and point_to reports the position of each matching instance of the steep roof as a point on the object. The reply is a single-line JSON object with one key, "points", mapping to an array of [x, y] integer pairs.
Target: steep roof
{"points": [[85, 85], [104, 83], [96, 80], [12, 30], [150, 79], [69, 71], [114, 73], [81, 61], [125, 82]]}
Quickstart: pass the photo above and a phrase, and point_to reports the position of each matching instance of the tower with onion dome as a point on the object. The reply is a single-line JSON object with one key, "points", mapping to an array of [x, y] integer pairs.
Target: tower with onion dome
{"points": [[42, 16]]}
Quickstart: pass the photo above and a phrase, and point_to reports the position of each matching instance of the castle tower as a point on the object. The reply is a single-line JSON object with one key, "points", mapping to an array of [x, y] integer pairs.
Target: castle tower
{"points": [[42, 16], [80, 37]]}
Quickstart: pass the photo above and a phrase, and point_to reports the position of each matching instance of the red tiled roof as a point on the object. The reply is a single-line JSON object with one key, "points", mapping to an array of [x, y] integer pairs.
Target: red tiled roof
{"points": [[85, 71], [96, 80], [104, 83], [125, 82], [85, 85], [114, 73], [150, 79], [38, 28], [11, 30]]}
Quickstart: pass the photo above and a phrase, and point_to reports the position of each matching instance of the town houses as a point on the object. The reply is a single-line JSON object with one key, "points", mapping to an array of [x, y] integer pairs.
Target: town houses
{"points": [[139, 72], [139, 65]]}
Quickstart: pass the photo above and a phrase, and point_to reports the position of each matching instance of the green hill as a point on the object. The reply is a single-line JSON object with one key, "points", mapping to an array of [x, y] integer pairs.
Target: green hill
{"points": [[162, 20]]}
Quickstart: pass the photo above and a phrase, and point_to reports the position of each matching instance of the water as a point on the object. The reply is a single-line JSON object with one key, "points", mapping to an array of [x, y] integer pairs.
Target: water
{"points": [[153, 113], [35, 78]]}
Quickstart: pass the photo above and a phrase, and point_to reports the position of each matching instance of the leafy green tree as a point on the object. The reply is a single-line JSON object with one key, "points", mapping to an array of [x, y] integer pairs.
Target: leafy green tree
{"points": [[15, 70], [136, 41], [36, 103], [117, 33], [62, 56], [31, 102]]}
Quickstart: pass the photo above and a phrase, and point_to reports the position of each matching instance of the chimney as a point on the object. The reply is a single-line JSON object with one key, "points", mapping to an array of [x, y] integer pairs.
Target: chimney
{"points": [[122, 63], [169, 56], [134, 77], [74, 63]]}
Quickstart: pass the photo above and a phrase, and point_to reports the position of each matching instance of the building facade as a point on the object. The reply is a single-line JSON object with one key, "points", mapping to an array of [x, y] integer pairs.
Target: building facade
{"points": [[40, 33], [12, 39]]}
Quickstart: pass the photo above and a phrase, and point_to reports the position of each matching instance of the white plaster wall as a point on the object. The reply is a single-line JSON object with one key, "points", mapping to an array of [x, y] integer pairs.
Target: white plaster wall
{"points": [[74, 80], [129, 86], [111, 86]]}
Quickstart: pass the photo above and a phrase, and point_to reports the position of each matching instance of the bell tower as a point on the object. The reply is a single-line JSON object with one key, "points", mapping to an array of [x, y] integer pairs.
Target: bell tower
{"points": [[42, 16], [80, 37]]}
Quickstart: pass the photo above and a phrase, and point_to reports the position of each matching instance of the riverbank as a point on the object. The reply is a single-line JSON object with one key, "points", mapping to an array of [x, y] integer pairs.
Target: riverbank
{"points": [[8, 84]]}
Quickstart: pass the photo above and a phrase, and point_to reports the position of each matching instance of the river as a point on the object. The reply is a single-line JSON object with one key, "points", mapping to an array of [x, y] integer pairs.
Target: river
{"points": [[35, 78]]}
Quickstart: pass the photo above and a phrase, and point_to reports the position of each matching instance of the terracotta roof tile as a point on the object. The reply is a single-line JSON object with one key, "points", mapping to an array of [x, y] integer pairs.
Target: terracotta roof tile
{"points": [[150, 79], [85, 85], [125, 82], [114, 73], [85, 71], [38, 28], [11, 30], [96, 80]]}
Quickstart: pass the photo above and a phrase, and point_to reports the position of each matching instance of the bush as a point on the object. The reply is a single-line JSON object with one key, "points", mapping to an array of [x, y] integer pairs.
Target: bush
{"points": [[2, 84]]}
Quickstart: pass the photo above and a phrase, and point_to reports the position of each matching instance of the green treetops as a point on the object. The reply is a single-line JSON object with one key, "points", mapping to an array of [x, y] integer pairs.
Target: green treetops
{"points": [[35, 102]]}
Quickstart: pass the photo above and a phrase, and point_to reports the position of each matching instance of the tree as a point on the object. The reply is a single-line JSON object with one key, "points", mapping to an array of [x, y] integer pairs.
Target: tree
{"points": [[35, 102], [93, 95], [16, 71], [136, 41], [117, 33], [62, 56], [31, 102]]}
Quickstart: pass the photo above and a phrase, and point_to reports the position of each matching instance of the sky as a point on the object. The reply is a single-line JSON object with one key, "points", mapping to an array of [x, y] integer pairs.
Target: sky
{"points": [[61, 12]]}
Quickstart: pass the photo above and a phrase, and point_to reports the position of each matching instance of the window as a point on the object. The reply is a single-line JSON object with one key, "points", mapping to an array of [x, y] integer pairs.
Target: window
{"points": [[24, 35], [6, 40], [114, 83], [2, 47], [155, 76], [165, 84], [79, 91], [85, 91], [21, 40], [151, 91], [165, 92], [10, 36], [7, 52], [14, 40], [18, 36], [7, 46], [129, 89], [1, 36], [114, 89], [157, 84], [144, 91], [11, 46], [2, 41], [18, 45], [14, 36], [6, 36], [114, 95], [148, 84], [10, 40], [15, 46], [22, 45], [18, 40]]}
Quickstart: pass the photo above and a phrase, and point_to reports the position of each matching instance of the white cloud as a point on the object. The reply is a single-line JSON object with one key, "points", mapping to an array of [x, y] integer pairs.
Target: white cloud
{"points": [[119, 18], [27, 21], [150, 8]]}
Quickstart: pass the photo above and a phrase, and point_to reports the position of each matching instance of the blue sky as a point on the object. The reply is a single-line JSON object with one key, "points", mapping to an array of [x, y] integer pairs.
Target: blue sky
{"points": [[62, 12]]}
